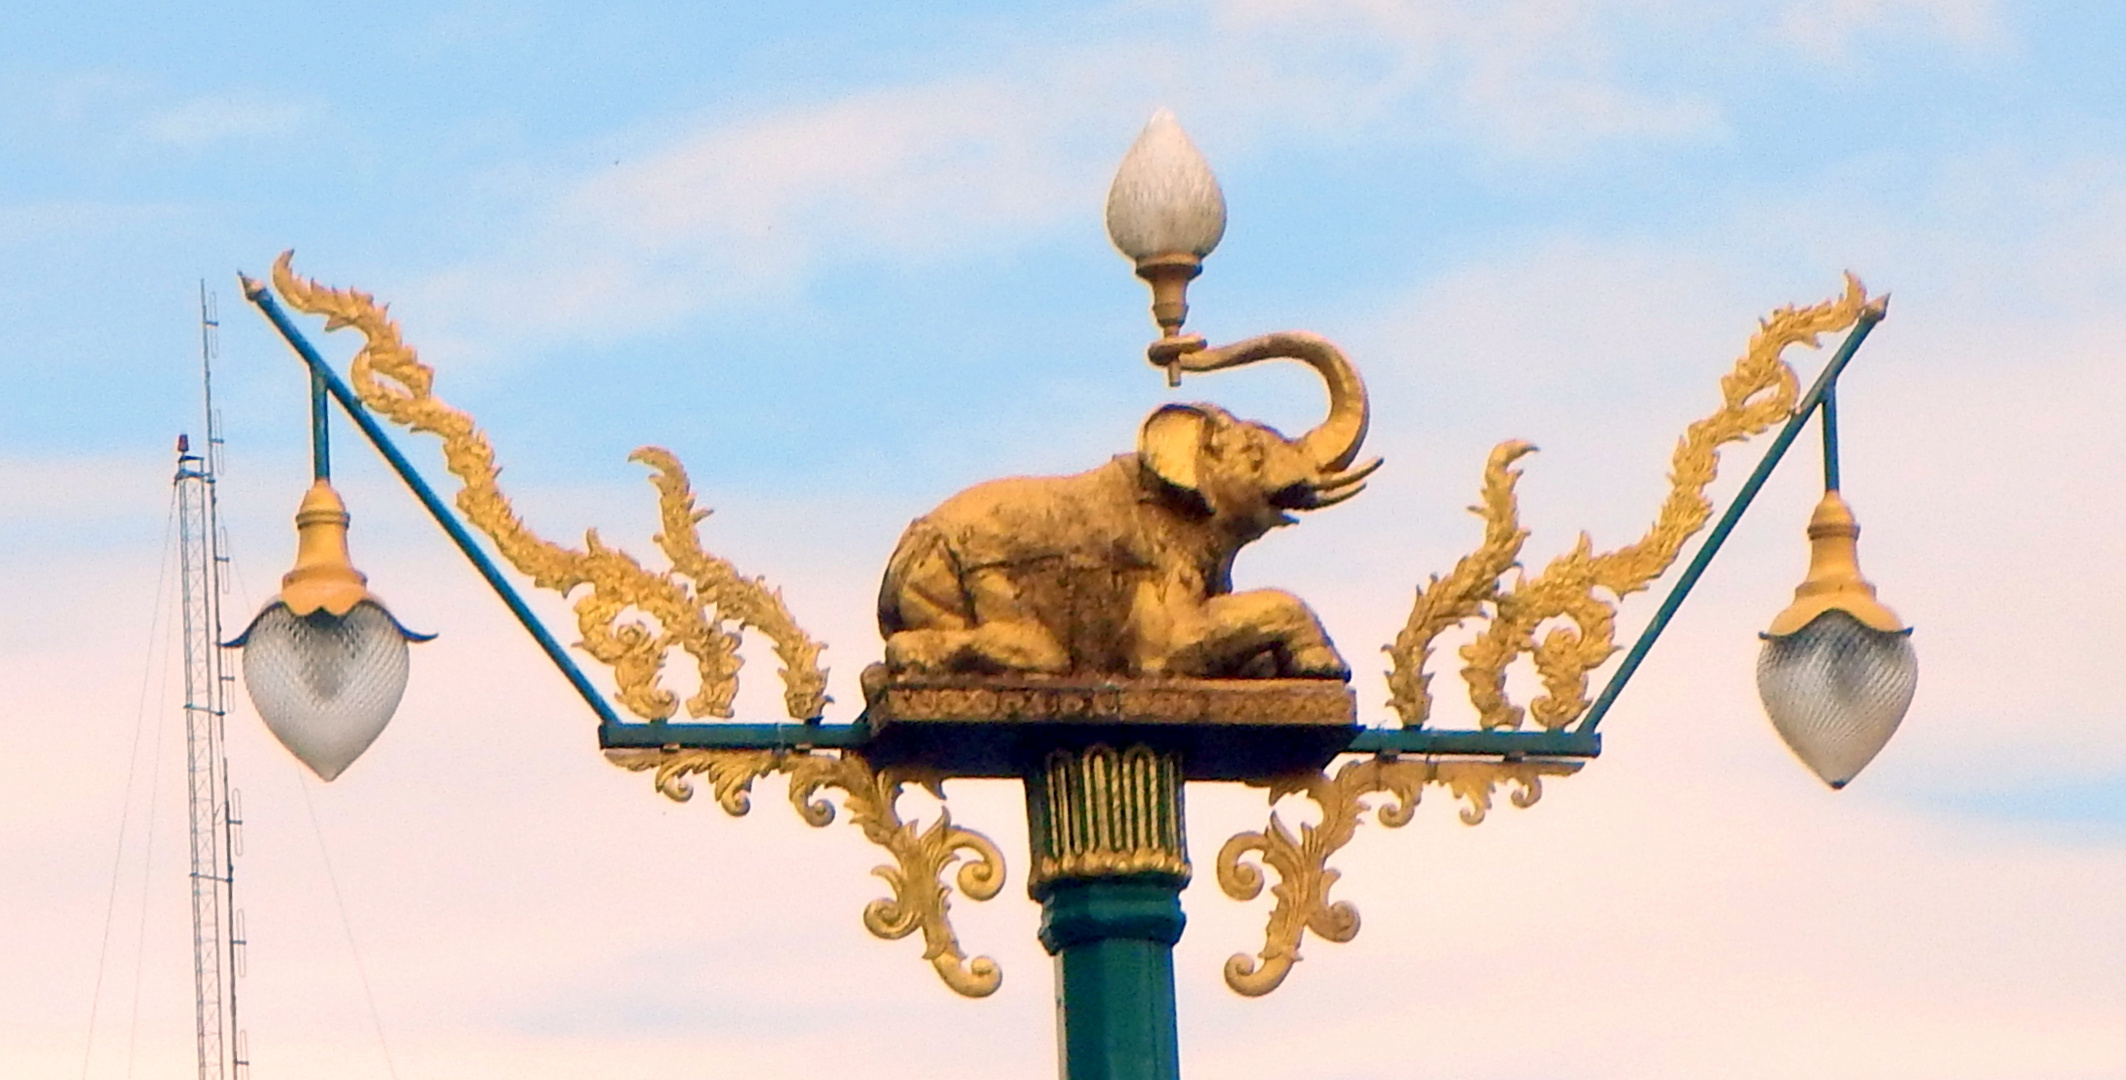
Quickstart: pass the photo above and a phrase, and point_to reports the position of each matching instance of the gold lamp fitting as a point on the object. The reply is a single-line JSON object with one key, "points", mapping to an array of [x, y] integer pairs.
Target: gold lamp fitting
{"points": [[1834, 582], [324, 575], [1169, 275]]}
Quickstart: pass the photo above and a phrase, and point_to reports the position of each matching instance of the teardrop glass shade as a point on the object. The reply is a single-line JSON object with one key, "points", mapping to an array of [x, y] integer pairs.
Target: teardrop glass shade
{"points": [[1836, 691], [325, 684], [1165, 200]]}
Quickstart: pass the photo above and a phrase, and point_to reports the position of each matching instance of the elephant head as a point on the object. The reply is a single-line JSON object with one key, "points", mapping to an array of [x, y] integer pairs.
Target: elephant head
{"points": [[1245, 474]]}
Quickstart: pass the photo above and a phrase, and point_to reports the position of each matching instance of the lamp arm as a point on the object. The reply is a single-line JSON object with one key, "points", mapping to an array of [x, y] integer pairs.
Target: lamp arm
{"points": [[1820, 394], [322, 375]]}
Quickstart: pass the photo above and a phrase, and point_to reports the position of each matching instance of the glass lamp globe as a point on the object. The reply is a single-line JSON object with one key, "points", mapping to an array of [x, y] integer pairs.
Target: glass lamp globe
{"points": [[1837, 672], [325, 662], [1166, 212], [1165, 199]]}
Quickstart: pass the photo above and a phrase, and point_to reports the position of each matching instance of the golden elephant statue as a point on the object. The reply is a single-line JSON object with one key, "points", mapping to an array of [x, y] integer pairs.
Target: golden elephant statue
{"points": [[1126, 570]]}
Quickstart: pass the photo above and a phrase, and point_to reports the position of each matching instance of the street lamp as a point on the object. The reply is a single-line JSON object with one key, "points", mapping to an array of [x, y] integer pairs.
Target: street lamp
{"points": [[324, 661], [1837, 671], [1081, 635]]}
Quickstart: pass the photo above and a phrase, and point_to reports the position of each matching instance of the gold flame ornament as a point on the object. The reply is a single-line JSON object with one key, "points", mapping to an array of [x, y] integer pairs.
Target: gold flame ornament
{"points": [[325, 662], [1837, 672]]}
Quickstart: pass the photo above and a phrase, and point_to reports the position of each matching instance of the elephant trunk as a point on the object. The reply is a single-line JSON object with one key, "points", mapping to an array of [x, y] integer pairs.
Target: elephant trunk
{"points": [[1333, 444]]}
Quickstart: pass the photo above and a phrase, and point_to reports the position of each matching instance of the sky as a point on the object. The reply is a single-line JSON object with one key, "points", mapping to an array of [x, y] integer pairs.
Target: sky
{"points": [[846, 259]]}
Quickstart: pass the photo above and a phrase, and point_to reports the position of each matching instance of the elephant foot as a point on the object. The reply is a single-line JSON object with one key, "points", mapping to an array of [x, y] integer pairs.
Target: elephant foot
{"points": [[1318, 662], [1273, 662]]}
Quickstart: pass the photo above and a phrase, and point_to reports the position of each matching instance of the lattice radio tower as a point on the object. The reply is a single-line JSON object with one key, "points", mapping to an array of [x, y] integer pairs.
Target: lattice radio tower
{"points": [[216, 807]]}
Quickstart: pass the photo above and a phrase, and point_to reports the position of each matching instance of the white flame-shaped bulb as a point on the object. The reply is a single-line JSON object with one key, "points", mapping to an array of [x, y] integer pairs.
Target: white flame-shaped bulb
{"points": [[1165, 200]]}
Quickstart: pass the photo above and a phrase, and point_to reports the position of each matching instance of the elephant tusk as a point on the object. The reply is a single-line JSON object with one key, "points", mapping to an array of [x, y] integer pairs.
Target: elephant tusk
{"points": [[1332, 500], [1343, 479]]}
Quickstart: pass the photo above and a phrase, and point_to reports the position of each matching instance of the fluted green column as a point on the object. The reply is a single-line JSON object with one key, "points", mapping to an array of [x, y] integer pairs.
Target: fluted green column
{"points": [[1109, 863]]}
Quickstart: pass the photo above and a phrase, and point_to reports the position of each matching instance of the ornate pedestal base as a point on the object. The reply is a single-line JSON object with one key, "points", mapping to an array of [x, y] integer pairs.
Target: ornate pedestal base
{"points": [[1222, 729], [1100, 813], [1104, 763], [1109, 861]]}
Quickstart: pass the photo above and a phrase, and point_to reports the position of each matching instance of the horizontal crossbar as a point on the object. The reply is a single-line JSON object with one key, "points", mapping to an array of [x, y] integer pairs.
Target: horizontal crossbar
{"points": [[1419, 741]]}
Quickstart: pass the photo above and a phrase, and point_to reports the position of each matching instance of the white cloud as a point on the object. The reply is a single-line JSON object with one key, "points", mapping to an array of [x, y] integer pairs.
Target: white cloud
{"points": [[204, 121], [748, 207], [1527, 78], [990, 155], [76, 491], [1832, 27], [76, 98]]}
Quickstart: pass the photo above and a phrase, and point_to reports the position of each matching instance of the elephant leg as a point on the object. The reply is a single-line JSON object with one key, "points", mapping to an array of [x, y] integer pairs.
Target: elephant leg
{"points": [[992, 648], [1241, 634], [1000, 637]]}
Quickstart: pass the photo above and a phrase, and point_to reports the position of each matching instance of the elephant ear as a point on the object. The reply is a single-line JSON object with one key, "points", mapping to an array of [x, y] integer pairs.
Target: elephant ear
{"points": [[1171, 445]]}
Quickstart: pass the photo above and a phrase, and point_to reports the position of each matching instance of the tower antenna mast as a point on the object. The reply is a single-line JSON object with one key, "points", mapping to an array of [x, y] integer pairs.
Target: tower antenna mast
{"points": [[216, 807]]}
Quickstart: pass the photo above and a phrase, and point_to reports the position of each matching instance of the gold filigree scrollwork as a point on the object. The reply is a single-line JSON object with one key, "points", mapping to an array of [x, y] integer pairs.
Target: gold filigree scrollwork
{"points": [[1301, 862], [1759, 392], [920, 900], [700, 605]]}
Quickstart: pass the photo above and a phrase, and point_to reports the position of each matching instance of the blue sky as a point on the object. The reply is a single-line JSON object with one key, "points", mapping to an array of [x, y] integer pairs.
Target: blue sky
{"points": [[846, 259]]}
